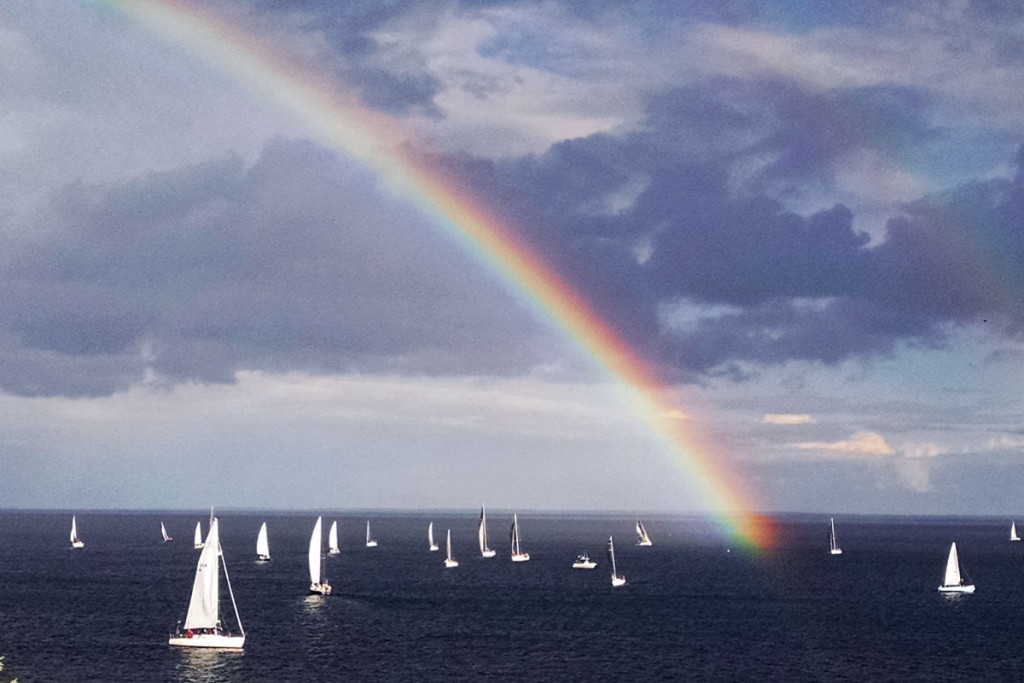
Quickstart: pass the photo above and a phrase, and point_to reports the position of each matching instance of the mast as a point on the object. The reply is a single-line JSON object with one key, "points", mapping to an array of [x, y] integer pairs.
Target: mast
{"points": [[832, 537], [611, 557], [234, 606], [482, 531]]}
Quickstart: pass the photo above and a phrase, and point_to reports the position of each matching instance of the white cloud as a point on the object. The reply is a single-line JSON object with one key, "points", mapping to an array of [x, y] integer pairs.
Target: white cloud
{"points": [[861, 444], [787, 419]]}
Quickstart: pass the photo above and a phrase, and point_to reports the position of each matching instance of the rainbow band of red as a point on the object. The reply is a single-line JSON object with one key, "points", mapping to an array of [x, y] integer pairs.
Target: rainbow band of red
{"points": [[339, 122]]}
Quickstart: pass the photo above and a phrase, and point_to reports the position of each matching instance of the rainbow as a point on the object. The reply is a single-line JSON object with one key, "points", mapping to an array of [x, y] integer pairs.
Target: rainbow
{"points": [[340, 122]]}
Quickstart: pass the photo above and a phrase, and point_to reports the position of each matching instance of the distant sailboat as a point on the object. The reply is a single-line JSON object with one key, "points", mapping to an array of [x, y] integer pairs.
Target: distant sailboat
{"points": [[450, 561], [262, 544], [332, 540], [1013, 532], [641, 535], [616, 579], [430, 537], [163, 532], [197, 537], [583, 561], [203, 626], [481, 533], [318, 585], [834, 548], [517, 552], [76, 542], [953, 582], [370, 541]]}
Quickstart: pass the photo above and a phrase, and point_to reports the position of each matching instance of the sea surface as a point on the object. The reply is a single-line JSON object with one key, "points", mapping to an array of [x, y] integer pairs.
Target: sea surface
{"points": [[694, 608]]}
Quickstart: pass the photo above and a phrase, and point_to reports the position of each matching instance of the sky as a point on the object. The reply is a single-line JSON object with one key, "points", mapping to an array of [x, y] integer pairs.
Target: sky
{"points": [[805, 217]]}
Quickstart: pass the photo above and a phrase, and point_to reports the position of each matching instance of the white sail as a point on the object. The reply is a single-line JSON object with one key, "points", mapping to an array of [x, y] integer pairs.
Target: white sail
{"points": [[482, 534], [332, 539], [833, 546], [430, 536], [370, 542], [517, 552], [163, 532], [314, 553], [616, 579], [197, 537], [952, 568], [76, 542], [263, 543], [641, 535], [1013, 532], [203, 610], [450, 561]]}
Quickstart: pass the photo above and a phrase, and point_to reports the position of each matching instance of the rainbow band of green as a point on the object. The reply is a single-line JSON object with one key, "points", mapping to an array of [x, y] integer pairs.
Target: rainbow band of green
{"points": [[339, 122]]}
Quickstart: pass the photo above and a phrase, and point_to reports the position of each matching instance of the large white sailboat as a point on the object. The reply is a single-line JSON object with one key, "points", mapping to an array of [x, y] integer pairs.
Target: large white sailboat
{"points": [[641, 535], [203, 626], [430, 537], [617, 580], [371, 542], [834, 548], [449, 561], [163, 532], [318, 585], [76, 542], [332, 540], [481, 534], [953, 582], [1013, 532], [197, 537], [517, 552], [262, 544]]}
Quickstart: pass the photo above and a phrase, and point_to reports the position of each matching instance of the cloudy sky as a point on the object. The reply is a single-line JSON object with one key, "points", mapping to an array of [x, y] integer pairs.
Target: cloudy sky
{"points": [[806, 216]]}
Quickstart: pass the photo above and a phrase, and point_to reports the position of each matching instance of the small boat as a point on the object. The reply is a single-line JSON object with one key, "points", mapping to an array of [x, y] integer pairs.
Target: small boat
{"points": [[617, 580], [450, 562], [430, 537], [641, 535], [197, 537], [332, 540], [163, 532], [517, 552], [370, 541], [834, 548], [262, 544], [583, 561], [203, 626], [481, 534], [318, 585], [76, 542], [953, 582], [1013, 532]]}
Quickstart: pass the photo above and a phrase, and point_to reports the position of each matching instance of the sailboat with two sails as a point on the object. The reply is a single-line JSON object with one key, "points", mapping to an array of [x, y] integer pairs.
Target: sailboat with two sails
{"points": [[332, 540], [163, 532], [953, 582], [262, 544], [642, 538], [318, 585]]}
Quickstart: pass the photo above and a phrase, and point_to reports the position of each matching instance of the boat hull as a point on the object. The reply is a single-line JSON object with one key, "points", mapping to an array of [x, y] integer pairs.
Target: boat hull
{"points": [[521, 557], [584, 565], [320, 588], [618, 581], [263, 558], [371, 544], [208, 640], [957, 589], [434, 548], [835, 551], [451, 564], [488, 553], [334, 551], [78, 544], [644, 544]]}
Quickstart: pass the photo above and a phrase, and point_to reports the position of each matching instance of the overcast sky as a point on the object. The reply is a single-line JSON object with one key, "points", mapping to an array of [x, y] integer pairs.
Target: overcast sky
{"points": [[808, 216]]}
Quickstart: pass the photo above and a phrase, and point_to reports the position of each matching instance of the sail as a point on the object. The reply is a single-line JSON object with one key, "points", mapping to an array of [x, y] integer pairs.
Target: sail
{"points": [[314, 553], [430, 534], [482, 531], [641, 534], [202, 608], [611, 556], [74, 529], [832, 536], [197, 537], [163, 532], [515, 534], [449, 545], [952, 568], [1013, 532], [262, 544], [332, 538]]}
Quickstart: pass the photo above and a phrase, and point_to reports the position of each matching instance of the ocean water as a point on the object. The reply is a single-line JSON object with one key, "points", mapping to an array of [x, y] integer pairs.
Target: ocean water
{"points": [[692, 610]]}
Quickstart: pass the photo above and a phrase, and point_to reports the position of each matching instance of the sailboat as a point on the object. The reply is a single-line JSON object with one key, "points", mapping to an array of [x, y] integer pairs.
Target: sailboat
{"points": [[641, 535], [430, 537], [197, 537], [953, 582], [317, 584], [203, 627], [616, 579], [370, 541], [1013, 532], [450, 561], [262, 544], [163, 532], [517, 552], [834, 548], [76, 542], [482, 535], [583, 561], [332, 539]]}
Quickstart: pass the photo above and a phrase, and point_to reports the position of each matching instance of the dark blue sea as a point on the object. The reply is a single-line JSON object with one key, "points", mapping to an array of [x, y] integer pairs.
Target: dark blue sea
{"points": [[694, 609]]}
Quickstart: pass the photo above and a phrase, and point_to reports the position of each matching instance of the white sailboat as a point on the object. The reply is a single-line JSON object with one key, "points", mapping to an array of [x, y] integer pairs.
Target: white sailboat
{"points": [[1013, 532], [370, 541], [262, 544], [450, 562], [203, 627], [76, 542], [953, 582], [583, 561], [616, 579], [197, 537], [834, 548], [430, 537], [481, 534], [163, 532], [332, 540], [318, 585], [517, 552], [641, 535]]}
